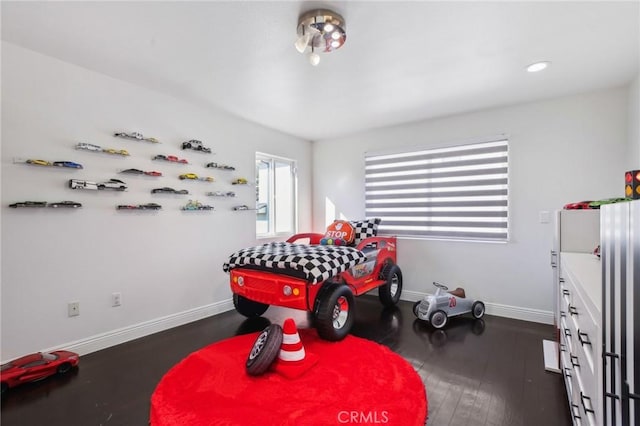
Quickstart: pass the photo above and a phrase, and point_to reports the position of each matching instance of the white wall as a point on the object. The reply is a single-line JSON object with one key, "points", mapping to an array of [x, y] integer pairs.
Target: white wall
{"points": [[563, 150], [166, 264], [633, 157]]}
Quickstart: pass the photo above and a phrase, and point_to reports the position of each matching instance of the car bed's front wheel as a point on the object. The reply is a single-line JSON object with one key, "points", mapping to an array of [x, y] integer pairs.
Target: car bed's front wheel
{"points": [[247, 307], [335, 313]]}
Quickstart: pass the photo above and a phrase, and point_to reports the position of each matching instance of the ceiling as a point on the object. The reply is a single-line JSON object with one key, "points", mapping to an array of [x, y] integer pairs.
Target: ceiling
{"points": [[402, 61]]}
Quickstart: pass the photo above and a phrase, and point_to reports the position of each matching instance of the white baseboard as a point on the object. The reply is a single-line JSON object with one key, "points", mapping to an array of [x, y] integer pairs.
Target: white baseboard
{"points": [[507, 311], [125, 334]]}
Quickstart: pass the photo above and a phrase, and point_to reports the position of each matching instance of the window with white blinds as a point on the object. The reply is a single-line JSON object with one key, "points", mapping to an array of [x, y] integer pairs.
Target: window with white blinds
{"points": [[458, 192]]}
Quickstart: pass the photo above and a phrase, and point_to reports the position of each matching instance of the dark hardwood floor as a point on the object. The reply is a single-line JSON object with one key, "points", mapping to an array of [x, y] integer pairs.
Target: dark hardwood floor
{"points": [[476, 372]]}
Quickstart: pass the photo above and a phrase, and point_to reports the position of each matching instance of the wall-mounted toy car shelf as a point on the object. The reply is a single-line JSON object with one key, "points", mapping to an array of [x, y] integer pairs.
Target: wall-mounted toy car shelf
{"points": [[196, 145], [243, 207], [148, 206], [140, 172], [219, 166], [96, 148], [45, 163], [221, 194], [167, 190], [196, 206], [193, 176], [63, 204], [135, 136], [170, 159], [113, 184]]}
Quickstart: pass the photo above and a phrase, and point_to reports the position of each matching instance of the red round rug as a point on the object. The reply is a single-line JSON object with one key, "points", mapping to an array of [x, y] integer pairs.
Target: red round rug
{"points": [[355, 381]]}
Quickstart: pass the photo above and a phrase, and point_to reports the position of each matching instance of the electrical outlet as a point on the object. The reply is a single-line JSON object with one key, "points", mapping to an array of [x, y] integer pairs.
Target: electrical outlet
{"points": [[73, 309], [116, 299]]}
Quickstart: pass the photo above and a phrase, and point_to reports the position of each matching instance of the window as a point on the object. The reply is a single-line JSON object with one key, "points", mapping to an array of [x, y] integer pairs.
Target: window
{"points": [[275, 195], [458, 192]]}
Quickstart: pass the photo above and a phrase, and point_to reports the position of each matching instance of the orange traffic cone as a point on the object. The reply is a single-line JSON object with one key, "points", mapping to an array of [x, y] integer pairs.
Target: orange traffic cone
{"points": [[293, 360]]}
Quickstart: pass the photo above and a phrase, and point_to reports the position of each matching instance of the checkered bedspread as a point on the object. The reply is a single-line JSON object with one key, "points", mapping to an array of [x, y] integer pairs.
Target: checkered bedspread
{"points": [[315, 263]]}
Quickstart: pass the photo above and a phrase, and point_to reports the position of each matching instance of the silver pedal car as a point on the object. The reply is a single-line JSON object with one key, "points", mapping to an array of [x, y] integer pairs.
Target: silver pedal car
{"points": [[438, 307]]}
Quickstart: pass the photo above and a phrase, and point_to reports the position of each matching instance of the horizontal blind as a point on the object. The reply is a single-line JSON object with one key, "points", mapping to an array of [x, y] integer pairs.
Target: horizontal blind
{"points": [[458, 192]]}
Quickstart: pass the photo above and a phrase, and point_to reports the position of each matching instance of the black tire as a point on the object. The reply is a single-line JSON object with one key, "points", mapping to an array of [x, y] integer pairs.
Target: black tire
{"points": [[477, 309], [64, 368], [439, 319], [390, 292], [265, 350], [247, 307], [336, 312], [186, 146]]}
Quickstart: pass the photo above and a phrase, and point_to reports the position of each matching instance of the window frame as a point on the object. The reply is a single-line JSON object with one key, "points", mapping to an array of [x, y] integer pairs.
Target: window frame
{"points": [[271, 203], [420, 176]]}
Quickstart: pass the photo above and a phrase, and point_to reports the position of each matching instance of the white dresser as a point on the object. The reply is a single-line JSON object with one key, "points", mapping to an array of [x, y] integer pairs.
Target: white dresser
{"points": [[578, 313], [581, 335]]}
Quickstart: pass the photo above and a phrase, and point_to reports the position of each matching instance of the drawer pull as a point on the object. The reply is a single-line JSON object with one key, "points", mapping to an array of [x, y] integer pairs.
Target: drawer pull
{"points": [[583, 397], [574, 361], [567, 332], [554, 261], [573, 310], [563, 347], [583, 338], [563, 314], [561, 280], [575, 407], [566, 292], [567, 372]]}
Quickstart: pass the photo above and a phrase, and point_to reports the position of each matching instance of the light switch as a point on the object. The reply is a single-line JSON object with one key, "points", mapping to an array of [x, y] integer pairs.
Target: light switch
{"points": [[544, 216]]}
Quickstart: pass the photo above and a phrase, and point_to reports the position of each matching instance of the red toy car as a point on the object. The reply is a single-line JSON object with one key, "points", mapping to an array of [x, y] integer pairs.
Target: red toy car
{"points": [[38, 366], [330, 301]]}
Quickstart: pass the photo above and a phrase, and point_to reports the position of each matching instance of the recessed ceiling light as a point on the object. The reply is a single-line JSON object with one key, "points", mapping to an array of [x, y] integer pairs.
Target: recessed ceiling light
{"points": [[538, 66]]}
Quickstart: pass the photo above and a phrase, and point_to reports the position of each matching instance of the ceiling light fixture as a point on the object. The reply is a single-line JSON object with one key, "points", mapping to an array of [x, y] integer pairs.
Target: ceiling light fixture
{"points": [[538, 66], [320, 31]]}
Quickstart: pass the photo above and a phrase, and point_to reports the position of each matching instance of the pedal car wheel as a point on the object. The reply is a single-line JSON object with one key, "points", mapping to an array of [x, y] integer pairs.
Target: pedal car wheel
{"points": [[438, 319], [389, 293], [415, 308], [477, 309], [264, 350], [64, 368], [247, 307], [335, 314]]}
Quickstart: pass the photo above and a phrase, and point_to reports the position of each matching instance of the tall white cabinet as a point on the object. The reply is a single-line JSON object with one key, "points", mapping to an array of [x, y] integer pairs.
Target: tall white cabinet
{"points": [[620, 235], [578, 301]]}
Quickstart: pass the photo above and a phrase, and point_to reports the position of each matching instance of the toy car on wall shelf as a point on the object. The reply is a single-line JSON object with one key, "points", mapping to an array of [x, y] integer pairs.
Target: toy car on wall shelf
{"points": [[115, 184], [65, 204], [170, 158], [140, 172], [229, 194], [240, 181], [148, 206], [37, 366], [29, 204], [196, 205], [122, 152], [219, 166], [68, 164], [38, 162], [89, 147], [193, 176], [242, 207], [437, 308], [82, 184], [195, 145], [135, 136], [168, 190]]}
